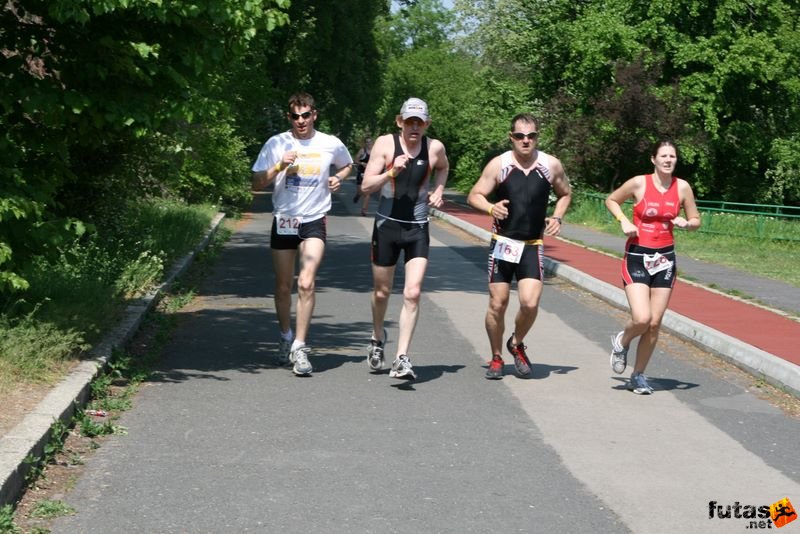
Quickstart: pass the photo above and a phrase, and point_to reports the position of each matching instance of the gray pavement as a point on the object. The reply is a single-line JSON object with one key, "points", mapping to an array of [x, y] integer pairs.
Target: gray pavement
{"points": [[222, 440]]}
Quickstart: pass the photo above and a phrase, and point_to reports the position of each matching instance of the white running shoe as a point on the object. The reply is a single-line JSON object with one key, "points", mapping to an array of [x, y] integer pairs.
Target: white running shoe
{"points": [[638, 384], [375, 353], [299, 356], [619, 354], [402, 368]]}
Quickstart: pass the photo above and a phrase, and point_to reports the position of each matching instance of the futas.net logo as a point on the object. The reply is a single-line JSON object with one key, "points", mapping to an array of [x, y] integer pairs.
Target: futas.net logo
{"points": [[774, 515]]}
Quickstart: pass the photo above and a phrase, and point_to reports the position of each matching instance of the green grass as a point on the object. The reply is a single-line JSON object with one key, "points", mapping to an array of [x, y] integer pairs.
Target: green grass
{"points": [[79, 295], [735, 241], [51, 509], [7, 520]]}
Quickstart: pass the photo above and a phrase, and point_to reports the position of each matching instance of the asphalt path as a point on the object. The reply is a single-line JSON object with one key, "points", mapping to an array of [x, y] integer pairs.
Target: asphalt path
{"points": [[223, 440]]}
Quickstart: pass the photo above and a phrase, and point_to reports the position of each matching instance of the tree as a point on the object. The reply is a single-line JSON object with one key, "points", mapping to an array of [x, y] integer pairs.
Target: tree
{"points": [[733, 65], [328, 49], [82, 83]]}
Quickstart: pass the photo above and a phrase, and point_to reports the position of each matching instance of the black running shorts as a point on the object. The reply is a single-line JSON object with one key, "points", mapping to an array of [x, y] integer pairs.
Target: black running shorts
{"points": [[317, 228], [390, 238]]}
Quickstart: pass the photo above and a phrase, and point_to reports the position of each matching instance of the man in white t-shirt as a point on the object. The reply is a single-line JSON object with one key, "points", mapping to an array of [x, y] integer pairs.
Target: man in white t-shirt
{"points": [[299, 162]]}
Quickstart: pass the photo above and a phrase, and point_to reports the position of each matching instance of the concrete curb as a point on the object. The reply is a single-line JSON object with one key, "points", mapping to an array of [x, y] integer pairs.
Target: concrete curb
{"points": [[777, 371], [29, 438]]}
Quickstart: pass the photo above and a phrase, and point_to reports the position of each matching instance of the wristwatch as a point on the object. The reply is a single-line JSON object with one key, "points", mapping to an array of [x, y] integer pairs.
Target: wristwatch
{"points": [[558, 219]]}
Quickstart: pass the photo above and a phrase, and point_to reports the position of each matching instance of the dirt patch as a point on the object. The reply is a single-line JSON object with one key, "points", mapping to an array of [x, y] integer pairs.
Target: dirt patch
{"points": [[16, 404], [66, 466], [57, 478]]}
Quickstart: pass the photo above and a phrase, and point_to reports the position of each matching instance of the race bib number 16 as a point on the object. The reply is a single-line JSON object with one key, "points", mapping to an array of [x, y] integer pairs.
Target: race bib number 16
{"points": [[287, 225], [508, 249]]}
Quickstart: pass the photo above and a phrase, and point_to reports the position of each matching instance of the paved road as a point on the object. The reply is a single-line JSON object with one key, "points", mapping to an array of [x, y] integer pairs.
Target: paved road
{"points": [[223, 441]]}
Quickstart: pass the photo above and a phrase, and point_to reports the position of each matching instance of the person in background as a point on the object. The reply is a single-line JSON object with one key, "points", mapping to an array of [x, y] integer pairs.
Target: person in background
{"points": [[521, 180], [362, 157], [410, 171], [299, 162], [649, 267]]}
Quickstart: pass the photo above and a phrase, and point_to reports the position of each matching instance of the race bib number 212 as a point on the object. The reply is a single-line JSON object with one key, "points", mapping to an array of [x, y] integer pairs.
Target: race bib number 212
{"points": [[287, 225]]}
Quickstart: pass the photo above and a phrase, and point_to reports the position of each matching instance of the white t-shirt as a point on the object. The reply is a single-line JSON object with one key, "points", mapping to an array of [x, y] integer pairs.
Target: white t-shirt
{"points": [[301, 190]]}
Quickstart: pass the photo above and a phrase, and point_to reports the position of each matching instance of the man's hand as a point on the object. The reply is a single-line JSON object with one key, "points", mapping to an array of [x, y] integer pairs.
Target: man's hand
{"points": [[500, 209], [334, 183], [435, 199], [400, 163]]}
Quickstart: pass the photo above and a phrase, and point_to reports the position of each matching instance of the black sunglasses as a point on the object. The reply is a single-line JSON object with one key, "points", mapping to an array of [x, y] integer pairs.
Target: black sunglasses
{"points": [[305, 115], [519, 136]]}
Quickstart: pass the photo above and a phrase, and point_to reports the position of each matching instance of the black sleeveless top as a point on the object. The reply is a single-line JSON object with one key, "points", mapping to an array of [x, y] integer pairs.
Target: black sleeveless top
{"points": [[405, 197]]}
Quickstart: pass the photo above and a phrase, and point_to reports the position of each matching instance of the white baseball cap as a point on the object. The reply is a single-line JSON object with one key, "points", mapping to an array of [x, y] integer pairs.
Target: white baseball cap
{"points": [[414, 107]]}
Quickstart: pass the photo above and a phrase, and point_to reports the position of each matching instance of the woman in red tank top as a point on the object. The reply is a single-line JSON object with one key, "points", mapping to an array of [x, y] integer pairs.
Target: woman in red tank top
{"points": [[648, 269]]}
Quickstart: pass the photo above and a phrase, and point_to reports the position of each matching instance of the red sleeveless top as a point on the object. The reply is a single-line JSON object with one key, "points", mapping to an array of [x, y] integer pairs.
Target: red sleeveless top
{"points": [[653, 215]]}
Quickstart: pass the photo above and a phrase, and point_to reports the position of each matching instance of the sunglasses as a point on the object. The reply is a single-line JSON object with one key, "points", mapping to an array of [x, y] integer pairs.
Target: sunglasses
{"points": [[519, 136], [305, 115]]}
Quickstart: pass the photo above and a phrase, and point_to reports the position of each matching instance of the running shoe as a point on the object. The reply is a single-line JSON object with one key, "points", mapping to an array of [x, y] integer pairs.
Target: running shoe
{"points": [[619, 354], [638, 384], [401, 368], [521, 361], [299, 356], [375, 353], [284, 348], [495, 370]]}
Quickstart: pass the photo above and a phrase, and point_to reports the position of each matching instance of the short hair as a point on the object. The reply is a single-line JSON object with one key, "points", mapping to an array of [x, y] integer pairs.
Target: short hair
{"points": [[301, 99], [663, 142], [524, 117]]}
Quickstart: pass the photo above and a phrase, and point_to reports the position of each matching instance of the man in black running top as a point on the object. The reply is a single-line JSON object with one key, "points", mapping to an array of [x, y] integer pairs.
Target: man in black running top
{"points": [[400, 167], [522, 180]]}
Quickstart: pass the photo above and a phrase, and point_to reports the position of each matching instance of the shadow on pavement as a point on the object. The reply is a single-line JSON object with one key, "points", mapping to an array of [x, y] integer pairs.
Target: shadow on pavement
{"points": [[658, 384]]}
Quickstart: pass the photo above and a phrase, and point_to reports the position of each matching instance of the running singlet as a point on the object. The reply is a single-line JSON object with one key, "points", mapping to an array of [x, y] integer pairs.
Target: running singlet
{"points": [[404, 198], [528, 195], [301, 190], [653, 215]]}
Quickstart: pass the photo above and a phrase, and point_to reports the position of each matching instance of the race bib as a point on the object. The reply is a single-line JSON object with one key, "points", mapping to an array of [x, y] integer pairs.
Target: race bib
{"points": [[655, 263], [287, 224], [508, 249]]}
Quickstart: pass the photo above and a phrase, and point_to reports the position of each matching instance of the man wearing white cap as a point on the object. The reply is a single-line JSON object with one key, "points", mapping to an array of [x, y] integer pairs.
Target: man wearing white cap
{"points": [[401, 166]]}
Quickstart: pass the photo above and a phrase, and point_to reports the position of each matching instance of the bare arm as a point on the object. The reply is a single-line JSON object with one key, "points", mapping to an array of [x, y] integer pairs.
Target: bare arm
{"points": [[441, 168], [381, 167], [262, 179], [335, 180], [692, 221], [563, 191], [615, 200], [484, 187]]}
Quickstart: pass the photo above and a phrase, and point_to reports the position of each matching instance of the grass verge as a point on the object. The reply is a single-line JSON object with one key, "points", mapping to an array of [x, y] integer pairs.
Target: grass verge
{"points": [[112, 393], [81, 293]]}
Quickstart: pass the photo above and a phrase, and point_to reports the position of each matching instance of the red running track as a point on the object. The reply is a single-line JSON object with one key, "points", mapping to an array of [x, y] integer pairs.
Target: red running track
{"points": [[756, 326]]}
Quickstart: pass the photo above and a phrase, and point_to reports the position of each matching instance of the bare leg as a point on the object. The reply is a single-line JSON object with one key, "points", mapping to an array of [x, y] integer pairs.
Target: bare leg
{"points": [[311, 252], [382, 278], [639, 321], [283, 262], [495, 315], [659, 299], [415, 272], [530, 292], [365, 203]]}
